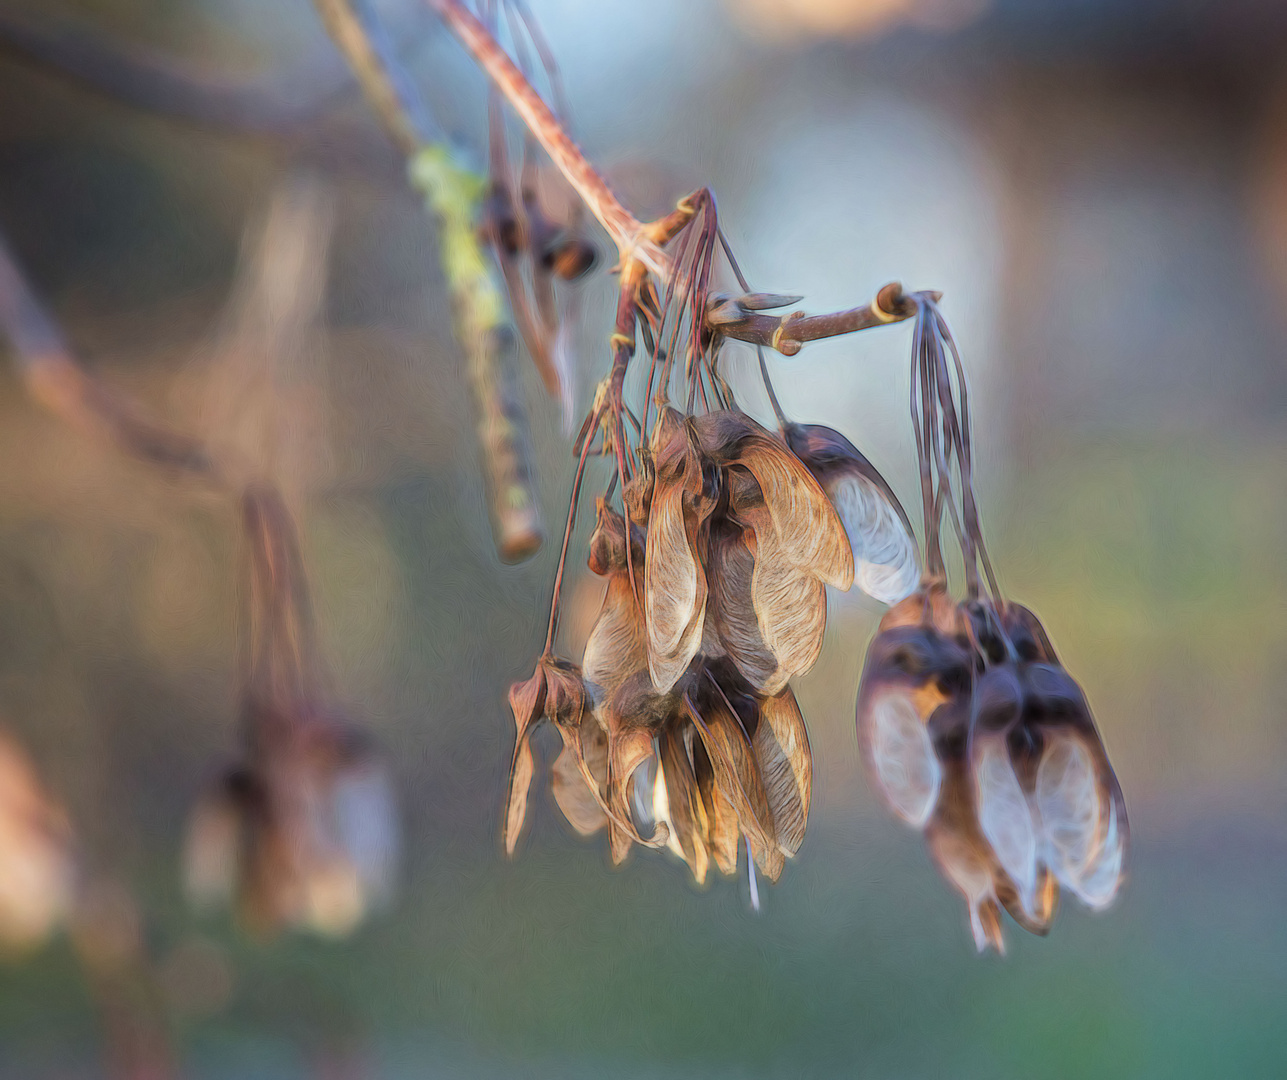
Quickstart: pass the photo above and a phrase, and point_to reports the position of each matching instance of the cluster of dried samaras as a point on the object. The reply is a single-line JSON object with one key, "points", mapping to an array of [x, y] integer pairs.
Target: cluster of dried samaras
{"points": [[680, 728], [301, 832]]}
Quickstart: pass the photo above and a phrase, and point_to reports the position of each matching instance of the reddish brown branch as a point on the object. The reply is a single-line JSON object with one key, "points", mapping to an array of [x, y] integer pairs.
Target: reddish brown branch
{"points": [[789, 333], [627, 232]]}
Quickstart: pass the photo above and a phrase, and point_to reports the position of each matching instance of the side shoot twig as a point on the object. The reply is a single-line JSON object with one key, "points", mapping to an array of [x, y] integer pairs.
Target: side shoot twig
{"points": [[452, 195]]}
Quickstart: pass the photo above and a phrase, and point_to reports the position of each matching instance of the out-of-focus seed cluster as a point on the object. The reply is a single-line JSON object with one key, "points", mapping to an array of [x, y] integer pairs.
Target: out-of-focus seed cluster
{"points": [[302, 832], [38, 871]]}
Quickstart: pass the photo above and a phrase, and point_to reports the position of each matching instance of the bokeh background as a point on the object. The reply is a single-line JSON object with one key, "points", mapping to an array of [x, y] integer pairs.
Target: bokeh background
{"points": [[1099, 187]]}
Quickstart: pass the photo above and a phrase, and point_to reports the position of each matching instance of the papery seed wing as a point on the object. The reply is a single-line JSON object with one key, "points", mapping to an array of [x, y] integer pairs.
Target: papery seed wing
{"points": [[674, 589], [684, 801], [527, 702], [616, 648], [786, 766], [731, 615], [1067, 799], [619, 843], [1083, 819], [723, 832], [628, 748], [568, 783], [520, 783], [1062, 713], [809, 533], [901, 754], [1098, 884], [737, 777], [1004, 815], [886, 562], [963, 857], [768, 856], [790, 603]]}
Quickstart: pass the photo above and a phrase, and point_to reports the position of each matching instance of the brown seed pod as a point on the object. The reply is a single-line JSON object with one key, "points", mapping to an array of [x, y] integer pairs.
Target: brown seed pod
{"points": [[886, 562], [555, 692], [917, 662], [675, 586], [303, 835], [964, 855], [1047, 798], [1046, 793]]}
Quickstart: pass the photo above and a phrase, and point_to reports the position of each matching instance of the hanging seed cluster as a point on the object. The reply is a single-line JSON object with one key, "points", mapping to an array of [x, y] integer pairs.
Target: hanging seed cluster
{"points": [[971, 728], [717, 538]]}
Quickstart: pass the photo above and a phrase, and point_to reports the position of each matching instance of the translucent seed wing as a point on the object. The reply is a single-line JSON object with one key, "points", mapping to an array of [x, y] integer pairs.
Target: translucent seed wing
{"points": [[886, 563], [674, 589], [790, 603], [809, 533], [1005, 817], [731, 613], [786, 766], [616, 648], [737, 777], [902, 756], [569, 786]]}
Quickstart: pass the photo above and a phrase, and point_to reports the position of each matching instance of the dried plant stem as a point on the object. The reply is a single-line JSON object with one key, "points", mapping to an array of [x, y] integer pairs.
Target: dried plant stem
{"points": [[789, 333], [627, 232], [595, 416], [610, 404]]}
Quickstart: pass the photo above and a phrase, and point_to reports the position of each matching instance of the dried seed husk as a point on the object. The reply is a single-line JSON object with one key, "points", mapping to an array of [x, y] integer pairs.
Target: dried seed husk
{"points": [[810, 536], [685, 811], [916, 664], [722, 829], [675, 588], [886, 560], [790, 602], [1077, 797], [527, 703], [786, 766], [732, 625], [728, 743], [962, 852], [568, 783], [555, 692]]}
